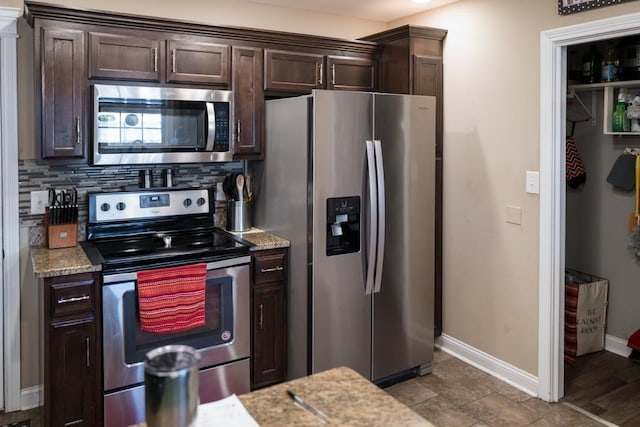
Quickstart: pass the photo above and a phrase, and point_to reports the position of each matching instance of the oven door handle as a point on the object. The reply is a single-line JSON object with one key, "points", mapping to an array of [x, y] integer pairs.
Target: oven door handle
{"points": [[216, 265]]}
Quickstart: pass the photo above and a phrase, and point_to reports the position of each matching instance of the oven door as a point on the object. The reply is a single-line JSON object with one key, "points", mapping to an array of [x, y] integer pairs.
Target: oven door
{"points": [[224, 337]]}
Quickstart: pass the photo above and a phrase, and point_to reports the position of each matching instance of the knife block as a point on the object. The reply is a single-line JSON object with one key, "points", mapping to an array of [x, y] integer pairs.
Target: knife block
{"points": [[61, 235]]}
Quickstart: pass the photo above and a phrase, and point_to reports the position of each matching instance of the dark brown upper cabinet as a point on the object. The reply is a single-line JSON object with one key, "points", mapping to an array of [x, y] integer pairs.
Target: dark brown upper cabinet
{"points": [[197, 62], [60, 108], [293, 71], [126, 57], [141, 58], [248, 100], [350, 73], [297, 72]]}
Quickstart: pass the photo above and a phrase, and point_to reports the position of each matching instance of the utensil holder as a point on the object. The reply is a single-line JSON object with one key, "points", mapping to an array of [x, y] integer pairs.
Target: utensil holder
{"points": [[61, 235], [238, 216]]}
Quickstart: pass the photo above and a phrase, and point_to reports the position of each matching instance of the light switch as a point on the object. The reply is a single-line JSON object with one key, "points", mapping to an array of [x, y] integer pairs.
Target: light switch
{"points": [[514, 215], [533, 182]]}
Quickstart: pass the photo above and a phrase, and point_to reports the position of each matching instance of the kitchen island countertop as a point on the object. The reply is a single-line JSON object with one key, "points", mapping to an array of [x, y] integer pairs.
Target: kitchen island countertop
{"points": [[346, 397], [61, 262]]}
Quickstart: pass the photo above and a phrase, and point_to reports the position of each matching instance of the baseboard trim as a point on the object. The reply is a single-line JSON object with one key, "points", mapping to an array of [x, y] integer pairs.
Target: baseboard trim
{"points": [[616, 345], [489, 364], [31, 397]]}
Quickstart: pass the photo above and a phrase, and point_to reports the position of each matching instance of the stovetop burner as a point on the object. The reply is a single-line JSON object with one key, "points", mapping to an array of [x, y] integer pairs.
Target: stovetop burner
{"points": [[152, 251], [134, 231]]}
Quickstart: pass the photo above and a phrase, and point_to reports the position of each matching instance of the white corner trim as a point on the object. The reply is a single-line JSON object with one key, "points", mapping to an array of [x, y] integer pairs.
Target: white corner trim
{"points": [[31, 397], [616, 345], [491, 365], [10, 219], [553, 45]]}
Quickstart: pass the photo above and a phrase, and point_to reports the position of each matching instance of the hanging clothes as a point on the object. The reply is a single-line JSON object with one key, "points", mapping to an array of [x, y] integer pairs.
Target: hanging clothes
{"points": [[576, 174]]}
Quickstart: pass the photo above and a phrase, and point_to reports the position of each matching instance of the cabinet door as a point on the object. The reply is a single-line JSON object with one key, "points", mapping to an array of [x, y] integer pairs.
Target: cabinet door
{"points": [[248, 99], [200, 63], [293, 72], [427, 75], [72, 356], [125, 57], [269, 334], [63, 93], [348, 73]]}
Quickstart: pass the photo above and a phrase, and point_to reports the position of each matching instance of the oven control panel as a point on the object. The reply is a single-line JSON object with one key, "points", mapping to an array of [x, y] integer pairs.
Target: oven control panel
{"points": [[131, 205]]}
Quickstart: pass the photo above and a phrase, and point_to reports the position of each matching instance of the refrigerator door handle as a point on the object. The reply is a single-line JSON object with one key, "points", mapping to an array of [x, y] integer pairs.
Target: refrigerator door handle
{"points": [[373, 220], [381, 216]]}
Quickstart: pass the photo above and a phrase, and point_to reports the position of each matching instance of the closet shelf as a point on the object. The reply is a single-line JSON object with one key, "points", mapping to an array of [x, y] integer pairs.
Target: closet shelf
{"points": [[610, 98]]}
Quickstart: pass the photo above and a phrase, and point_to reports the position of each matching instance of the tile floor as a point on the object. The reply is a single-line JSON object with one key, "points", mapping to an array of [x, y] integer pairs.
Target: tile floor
{"points": [[606, 385], [459, 395]]}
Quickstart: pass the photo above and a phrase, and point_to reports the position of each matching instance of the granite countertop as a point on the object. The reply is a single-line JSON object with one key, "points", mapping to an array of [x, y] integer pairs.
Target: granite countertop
{"points": [[346, 397], [260, 239], [61, 262], [343, 395]]}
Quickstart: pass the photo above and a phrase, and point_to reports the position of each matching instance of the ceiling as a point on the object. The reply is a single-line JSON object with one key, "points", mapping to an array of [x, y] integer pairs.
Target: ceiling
{"points": [[375, 10]]}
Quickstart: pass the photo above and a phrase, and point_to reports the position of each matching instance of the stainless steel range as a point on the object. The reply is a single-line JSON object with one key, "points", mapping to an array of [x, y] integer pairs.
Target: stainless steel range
{"points": [[130, 232]]}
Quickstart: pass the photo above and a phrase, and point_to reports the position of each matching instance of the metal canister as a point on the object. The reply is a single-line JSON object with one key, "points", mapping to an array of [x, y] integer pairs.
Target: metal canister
{"points": [[171, 386]]}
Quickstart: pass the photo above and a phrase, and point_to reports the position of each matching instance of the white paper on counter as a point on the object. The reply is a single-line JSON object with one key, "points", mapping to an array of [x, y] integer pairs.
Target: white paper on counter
{"points": [[225, 412]]}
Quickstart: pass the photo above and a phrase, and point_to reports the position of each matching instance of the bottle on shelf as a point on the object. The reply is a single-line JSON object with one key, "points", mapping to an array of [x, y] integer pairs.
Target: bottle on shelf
{"points": [[592, 66], [610, 63], [620, 121]]}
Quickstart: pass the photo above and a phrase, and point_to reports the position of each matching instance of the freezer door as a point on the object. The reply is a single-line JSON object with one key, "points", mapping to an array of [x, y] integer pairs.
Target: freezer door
{"points": [[403, 309], [341, 311]]}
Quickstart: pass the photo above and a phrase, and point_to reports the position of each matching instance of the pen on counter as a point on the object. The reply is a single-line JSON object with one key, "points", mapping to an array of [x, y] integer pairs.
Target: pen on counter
{"points": [[318, 413]]}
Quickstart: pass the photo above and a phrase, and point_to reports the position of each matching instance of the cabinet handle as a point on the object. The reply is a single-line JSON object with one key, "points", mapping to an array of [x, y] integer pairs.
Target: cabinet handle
{"points": [[272, 269], [333, 74], [73, 299], [78, 130], [173, 60], [88, 361], [238, 131], [260, 320], [155, 60], [320, 67]]}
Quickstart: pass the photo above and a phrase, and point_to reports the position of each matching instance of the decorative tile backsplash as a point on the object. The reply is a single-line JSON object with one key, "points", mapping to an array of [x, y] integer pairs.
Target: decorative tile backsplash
{"points": [[86, 179]]}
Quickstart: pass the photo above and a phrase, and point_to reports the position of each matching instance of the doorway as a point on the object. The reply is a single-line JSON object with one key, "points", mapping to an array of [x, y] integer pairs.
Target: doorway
{"points": [[553, 86]]}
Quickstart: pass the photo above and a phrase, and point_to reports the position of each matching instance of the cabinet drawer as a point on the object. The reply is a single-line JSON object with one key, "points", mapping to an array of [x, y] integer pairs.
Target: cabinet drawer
{"points": [[72, 298], [269, 268]]}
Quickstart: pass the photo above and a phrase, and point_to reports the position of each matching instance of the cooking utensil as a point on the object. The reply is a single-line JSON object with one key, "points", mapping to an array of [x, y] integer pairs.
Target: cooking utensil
{"points": [[240, 187], [248, 180], [227, 187]]}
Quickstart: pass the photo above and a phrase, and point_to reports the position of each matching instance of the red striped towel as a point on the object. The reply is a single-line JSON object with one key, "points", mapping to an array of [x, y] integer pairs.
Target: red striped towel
{"points": [[172, 299]]}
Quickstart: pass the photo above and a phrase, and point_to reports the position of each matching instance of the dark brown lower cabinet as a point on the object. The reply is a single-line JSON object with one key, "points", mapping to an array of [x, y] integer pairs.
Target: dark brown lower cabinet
{"points": [[72, 371], [269, 318]]}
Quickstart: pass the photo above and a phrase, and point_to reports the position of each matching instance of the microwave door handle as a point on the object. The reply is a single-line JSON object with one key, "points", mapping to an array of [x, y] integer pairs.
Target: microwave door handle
{"points": [[211, 129]]}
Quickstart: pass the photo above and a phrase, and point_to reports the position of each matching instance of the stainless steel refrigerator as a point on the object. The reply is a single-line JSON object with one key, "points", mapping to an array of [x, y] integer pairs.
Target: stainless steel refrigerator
{"points": [[349, 179]]}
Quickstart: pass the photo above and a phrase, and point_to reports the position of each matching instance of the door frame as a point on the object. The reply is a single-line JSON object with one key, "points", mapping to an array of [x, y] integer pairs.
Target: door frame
{"points": [[553, 87], [9, 269]]}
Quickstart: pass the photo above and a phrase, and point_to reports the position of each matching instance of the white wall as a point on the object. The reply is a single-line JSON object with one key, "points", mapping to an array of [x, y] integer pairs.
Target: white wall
{"points": [[491, 137]]}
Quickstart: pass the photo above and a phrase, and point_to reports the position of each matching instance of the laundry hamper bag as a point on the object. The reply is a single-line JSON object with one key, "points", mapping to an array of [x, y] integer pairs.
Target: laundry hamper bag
{"points": [[585, 311]]}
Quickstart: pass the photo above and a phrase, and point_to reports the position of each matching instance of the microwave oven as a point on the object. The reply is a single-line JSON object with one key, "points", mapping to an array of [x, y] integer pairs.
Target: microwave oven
{"points": [[160, 125]]}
